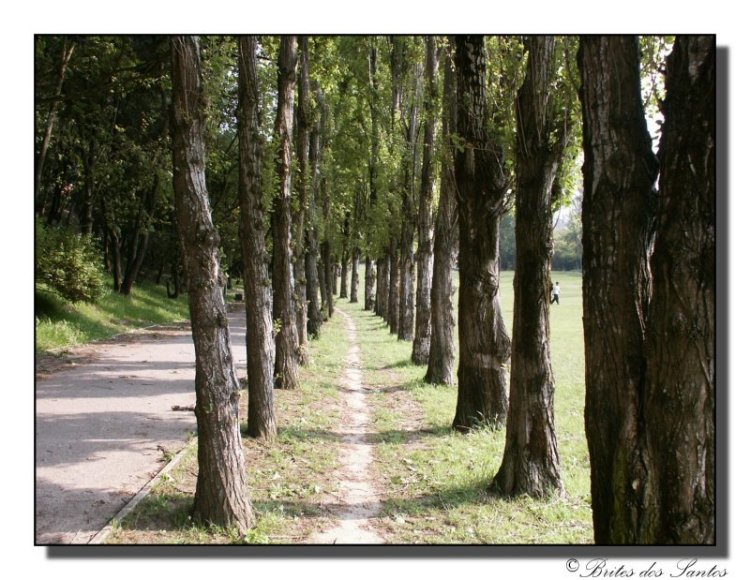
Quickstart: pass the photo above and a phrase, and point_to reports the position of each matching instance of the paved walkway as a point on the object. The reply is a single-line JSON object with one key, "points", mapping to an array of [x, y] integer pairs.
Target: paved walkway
{"points": [[103, 426]]}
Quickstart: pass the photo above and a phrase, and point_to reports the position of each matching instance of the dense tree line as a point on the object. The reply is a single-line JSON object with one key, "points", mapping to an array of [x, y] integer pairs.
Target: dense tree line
{"points": [[288, 161]]}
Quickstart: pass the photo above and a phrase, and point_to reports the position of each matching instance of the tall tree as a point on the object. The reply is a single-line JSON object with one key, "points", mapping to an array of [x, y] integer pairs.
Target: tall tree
{"points": [[482, 192], [315, 282], [345, 232], [371, 277], [405, 131], [286, 367], [679, 400], [300, 215], [221, 492], [619, 173], [421, 346], [440, 363], [531, 463], [259, 338]]}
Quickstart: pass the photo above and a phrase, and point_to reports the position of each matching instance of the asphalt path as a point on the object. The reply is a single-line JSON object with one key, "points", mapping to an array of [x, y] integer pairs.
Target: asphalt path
{"points": [[105, 425]]}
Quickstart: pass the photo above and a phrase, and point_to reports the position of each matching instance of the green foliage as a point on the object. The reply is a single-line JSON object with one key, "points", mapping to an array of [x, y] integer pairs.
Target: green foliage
{"points": [[68, 262], [508, 241], [568, 251], [654, 52]]}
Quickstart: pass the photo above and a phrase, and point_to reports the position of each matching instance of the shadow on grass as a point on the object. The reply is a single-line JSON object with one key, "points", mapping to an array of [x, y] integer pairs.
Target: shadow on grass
{"points": [[399, 364], [289, 434], [170, 511], [411, 385], [406, 436]]}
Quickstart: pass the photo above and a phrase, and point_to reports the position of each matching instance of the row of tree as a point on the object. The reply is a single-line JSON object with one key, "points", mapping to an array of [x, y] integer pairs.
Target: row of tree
{"points": [[337, 146]]}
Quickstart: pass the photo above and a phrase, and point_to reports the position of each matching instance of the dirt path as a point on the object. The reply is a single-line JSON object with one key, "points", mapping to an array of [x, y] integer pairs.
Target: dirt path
{"points": [[105, 425], [358, 501]]}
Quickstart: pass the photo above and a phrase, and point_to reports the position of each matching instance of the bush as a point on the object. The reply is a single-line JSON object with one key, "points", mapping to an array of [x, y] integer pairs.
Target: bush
{"points": [[68, 262]]}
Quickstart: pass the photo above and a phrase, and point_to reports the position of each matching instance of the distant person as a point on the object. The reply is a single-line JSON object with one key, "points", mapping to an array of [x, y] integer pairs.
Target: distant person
{"points": [[556, 293]]}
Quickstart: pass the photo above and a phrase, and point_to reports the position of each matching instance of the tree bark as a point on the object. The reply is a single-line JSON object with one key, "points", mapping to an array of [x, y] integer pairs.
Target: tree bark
{"points": [[259, 343], [354, 290], [531, 463], [330, 275], [313, 264], [482, 199], [407, 271], [300, 215], [423, 329], [679, 402], [286, 367], [394, 298], [441, 357], [381, 293], [370, 283], [619, 171], [221, 490], [344, 273], [116, 258], [370, 270]]}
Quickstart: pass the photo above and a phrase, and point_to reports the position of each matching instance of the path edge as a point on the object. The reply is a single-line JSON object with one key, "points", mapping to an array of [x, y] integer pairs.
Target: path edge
{"points": [[104, 533]]}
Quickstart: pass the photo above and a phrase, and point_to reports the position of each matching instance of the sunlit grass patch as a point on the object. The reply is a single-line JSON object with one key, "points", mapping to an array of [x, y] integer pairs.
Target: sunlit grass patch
{"points": [[60, 324]]}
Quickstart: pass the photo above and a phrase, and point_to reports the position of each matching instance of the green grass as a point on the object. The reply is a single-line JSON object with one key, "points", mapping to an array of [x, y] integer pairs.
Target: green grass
{"points": [[435, 480], [288, 479], [60, 324], [432, 481]]}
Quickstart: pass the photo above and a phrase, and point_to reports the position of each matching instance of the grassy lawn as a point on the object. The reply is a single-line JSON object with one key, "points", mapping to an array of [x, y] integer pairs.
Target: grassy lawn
{"points": [[59, 324], [434, 480]]}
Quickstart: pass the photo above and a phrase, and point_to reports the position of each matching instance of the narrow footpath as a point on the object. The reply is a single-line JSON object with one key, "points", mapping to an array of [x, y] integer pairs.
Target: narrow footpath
{"points": [[106, 425], [358, 503]]}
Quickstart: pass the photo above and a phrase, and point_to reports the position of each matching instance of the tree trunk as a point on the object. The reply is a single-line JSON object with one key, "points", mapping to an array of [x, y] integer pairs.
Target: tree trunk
{"points": [[354, 290], [286, 369], [330, 276], [115, 257], [344, 273], [679, 402], [313, 265], [618, 189], [381, 293], [259, 343], [175, 277], [87, 205], [423, 329], [370, 274], [322, 274], [300, 215], [394, 298], [531, 464], [407, 271], [370, 283], [440, 362], [482, 192], [221, 489], [407, 263]]}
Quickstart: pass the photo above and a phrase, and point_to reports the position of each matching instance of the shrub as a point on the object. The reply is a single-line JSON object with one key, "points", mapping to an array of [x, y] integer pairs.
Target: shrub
{"points": [[68, 262]]}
